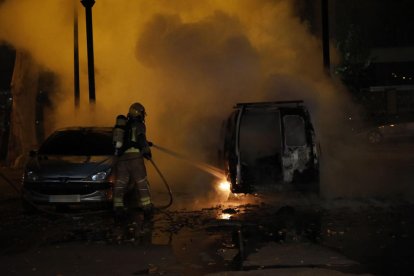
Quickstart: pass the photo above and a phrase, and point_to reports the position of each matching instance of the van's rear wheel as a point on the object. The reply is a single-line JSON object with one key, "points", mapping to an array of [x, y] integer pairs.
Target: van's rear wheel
{"points": [[314, 188], [307, 182]]}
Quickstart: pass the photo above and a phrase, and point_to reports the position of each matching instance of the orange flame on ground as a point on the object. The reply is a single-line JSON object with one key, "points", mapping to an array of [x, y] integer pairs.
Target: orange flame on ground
{"points": [[224, 216]]}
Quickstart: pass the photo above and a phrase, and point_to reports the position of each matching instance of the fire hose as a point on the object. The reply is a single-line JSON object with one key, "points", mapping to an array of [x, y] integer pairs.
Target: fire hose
{"points": [[166, 185], [9, 182]]}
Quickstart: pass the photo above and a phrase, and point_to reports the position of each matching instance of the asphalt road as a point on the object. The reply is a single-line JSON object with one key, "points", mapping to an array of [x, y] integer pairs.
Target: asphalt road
{"points": [[254, 235]]}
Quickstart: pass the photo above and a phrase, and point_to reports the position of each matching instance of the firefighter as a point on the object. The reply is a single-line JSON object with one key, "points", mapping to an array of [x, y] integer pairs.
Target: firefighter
{"points": [[132, 147]]}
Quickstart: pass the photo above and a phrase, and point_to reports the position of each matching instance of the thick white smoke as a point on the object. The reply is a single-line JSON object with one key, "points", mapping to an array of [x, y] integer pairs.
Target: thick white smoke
{"points": [[188, 62]]}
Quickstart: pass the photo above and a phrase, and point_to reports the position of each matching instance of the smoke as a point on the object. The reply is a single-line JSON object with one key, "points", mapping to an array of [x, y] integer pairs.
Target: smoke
{"points": [[188, 62]]}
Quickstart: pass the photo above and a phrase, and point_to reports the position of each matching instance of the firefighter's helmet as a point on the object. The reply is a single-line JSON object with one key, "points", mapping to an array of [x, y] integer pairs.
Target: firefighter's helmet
{"points": [[137, 110]]}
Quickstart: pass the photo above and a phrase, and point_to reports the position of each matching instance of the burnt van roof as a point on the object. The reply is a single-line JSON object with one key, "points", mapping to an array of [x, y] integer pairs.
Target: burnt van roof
{"points": [[270, 104]]}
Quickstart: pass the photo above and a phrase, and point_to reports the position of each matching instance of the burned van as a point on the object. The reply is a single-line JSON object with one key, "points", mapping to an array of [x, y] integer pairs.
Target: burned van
{"points": [[270, 146]]}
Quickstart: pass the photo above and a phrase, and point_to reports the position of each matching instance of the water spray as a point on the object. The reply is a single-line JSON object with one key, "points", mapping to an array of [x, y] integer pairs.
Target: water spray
{"points": [[223, 186], [201, 165]]}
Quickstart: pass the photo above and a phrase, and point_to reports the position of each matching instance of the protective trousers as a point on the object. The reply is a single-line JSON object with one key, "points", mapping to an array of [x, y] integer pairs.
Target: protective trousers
{"points": [[131, 177]]}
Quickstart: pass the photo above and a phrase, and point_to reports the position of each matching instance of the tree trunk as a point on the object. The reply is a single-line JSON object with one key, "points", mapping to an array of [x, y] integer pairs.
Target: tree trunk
{"points": [[24, 89]]}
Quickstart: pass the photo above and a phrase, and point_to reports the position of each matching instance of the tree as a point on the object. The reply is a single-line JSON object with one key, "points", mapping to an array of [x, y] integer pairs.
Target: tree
{"points": [[24, 90], [355, 59]]}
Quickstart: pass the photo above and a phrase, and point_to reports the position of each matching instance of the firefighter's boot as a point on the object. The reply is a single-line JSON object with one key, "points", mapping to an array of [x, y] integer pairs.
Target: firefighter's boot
{"points": [[119, 208]]}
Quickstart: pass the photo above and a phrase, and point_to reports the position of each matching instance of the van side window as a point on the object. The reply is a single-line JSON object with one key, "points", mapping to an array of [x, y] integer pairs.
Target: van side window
{"points": [[295, 135]]}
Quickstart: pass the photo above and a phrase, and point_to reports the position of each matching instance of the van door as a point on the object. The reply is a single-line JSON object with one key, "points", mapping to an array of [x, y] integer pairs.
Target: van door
{"points": [[228, 155], [259, 147], [296, 152]]}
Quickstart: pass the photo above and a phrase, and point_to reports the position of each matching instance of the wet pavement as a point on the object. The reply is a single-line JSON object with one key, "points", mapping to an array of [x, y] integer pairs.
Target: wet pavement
{"points": [[254, 235]]}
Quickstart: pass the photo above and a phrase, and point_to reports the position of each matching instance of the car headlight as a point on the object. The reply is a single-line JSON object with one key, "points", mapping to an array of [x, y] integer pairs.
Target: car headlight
{"points": [[99, 176], [31, 176]]}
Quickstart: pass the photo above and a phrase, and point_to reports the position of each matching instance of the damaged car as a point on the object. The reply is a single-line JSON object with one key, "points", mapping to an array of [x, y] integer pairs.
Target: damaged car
{"points": [[387, 132], [73, 166], [270, 146]]}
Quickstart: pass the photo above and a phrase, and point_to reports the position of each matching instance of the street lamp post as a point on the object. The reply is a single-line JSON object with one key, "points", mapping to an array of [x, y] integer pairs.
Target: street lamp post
{"points": [[88, 4], [76, 55], [325, 35]]}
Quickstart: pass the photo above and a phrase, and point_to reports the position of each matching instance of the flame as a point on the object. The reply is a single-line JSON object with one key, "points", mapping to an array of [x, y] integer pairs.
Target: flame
{"points": [[223, 190], [225, 216], [224, 186]]}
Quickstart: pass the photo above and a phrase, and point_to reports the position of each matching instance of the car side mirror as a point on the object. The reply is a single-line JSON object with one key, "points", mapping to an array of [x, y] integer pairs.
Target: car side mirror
{"points": [[33, 153]]}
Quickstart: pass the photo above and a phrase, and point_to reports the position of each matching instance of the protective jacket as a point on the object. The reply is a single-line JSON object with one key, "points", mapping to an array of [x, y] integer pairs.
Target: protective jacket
{"points": [[135, 139]]}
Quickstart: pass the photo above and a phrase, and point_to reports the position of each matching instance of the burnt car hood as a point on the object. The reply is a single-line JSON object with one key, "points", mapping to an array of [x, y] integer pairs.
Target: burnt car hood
{"points": [[78, 167]]}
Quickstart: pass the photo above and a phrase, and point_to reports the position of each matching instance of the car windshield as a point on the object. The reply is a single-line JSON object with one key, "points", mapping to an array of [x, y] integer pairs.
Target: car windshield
{"points": [[78, 142]]}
